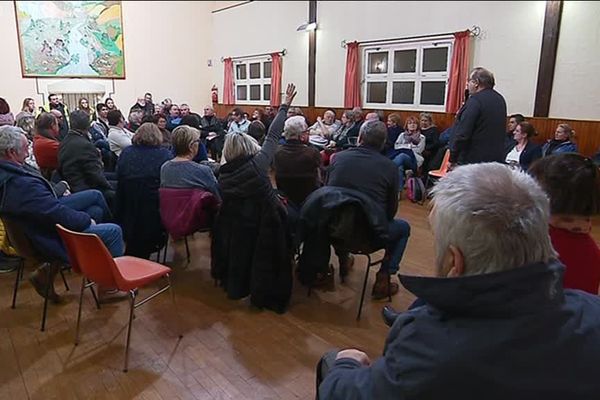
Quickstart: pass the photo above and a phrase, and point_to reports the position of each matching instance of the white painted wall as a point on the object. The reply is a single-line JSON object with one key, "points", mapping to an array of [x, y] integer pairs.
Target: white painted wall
{"points": [[509, 45], [576, 89], [167, 45], [264, 27]]}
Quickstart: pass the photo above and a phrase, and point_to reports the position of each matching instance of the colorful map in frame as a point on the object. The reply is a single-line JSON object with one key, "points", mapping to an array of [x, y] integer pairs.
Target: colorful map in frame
{"points": [[59, 39]]}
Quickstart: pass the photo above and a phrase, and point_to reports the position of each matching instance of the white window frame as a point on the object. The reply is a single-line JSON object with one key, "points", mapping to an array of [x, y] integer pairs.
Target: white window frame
{"points": [[418, 76], [262, 81]]}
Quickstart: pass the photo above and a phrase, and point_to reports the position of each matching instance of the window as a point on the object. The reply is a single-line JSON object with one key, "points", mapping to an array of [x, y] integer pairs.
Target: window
{"points": [[253, 81], [411, 76]]}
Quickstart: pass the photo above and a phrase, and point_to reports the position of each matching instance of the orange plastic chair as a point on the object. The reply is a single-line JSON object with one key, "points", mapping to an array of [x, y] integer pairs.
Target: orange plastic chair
{"points": [[91, 258], [439, 173]]}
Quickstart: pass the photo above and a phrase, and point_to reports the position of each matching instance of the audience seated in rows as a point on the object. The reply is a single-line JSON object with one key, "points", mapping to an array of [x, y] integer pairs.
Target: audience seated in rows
{"points": [[524, 152], [138, 177], [296, 164], [251, 248], [573, 184], [37, 206], [495, 321]]}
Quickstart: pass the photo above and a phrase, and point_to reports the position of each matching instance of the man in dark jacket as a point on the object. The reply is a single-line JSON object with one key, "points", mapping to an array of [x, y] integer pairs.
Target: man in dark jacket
{"points": [[496, 323], [479, 128], [212, 132], [296, 164], [363, 168], [31, 201], [79, 161], [55, 104]]}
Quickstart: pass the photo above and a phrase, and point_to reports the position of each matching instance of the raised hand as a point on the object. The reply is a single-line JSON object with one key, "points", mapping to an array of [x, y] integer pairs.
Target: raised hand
{"points": [[290, 93]]}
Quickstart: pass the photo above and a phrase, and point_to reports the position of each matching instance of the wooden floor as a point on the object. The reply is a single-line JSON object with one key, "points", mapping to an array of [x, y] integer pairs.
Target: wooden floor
{"points": [[228, 351]]}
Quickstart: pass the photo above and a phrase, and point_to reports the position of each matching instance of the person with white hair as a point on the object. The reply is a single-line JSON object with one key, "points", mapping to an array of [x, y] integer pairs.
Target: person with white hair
{"points": [[251, 249], [296, 164], [496, 323], [322, 130]]}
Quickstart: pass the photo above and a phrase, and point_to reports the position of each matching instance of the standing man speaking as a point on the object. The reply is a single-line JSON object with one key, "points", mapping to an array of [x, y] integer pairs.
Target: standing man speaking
{"points": [[480, 124]]}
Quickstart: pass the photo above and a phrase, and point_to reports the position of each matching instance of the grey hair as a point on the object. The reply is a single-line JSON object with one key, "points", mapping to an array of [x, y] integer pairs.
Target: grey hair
{"points": [[496, 216], [294, 127], [239, 145], [10, 139], [484, 77], [373, 133]]}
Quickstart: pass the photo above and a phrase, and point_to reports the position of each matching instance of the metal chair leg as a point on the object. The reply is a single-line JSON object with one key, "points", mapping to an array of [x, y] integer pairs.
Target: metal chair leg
{"points": [[95, 297], [47, 293], [165, 254], [187, 249], [158, 256], [83, 282], [131, 308], [63, 278], [177, 315], [362, 296], [17, 280]]}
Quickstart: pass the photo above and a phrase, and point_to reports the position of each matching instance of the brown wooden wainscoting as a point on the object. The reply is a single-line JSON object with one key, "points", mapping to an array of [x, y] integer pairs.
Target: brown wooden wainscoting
{"points": [[587, 132]]}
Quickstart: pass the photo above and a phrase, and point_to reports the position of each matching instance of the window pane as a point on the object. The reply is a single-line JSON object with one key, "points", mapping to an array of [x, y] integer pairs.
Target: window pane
{"points": [[376, 92], [433, 93], [403, 93], [255, 71], [240, 71], [242, 92], [267, 92], [267, 69], [378, 62], [254, 92], [405, 60], [435, 60]]}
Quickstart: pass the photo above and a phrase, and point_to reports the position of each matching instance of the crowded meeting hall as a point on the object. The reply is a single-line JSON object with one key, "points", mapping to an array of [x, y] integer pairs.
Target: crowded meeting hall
{"points": [[357, 200]]}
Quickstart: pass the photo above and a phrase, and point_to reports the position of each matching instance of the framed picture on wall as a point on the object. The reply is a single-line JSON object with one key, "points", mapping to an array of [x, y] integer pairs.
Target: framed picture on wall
{"points": [[70, 39]]}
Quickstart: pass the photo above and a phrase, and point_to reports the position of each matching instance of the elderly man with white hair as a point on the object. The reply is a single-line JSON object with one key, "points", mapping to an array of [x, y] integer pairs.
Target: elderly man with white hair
{"points": [[496, 323], [296, 164], [322, 130]]}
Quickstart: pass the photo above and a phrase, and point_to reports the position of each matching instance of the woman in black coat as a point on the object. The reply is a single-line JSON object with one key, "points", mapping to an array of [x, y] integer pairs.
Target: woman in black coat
{"points": [[525, 151], [252, 250]]}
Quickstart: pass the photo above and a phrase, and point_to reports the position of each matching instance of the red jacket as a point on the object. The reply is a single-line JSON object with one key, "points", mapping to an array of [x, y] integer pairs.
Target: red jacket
{"points": [[185, 211], [581, 255], [45, 152]]}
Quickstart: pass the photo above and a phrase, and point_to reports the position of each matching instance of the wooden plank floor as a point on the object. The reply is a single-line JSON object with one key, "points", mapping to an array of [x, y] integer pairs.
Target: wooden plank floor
{"points": [[229, 350]]}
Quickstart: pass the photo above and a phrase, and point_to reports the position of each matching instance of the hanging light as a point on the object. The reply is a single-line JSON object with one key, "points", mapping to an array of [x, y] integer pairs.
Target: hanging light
{"points": [[307, 27]]}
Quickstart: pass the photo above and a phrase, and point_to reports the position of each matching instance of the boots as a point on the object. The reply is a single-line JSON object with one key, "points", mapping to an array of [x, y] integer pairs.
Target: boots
{"points": [[346, 266], [42, 277], [383, 286]]}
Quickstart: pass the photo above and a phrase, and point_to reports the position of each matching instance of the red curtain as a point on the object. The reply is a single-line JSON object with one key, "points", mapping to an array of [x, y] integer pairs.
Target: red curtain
{"points": [[275, 79], [228, 86], [352, 81], [459, 71]]}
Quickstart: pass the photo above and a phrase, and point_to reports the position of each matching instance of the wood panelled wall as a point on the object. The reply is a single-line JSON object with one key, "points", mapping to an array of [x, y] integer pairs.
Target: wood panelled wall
{"points": [[587, 132]]}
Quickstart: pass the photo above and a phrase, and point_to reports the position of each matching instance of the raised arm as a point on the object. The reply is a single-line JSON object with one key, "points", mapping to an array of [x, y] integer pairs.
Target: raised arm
{"points": [[265, 156]]}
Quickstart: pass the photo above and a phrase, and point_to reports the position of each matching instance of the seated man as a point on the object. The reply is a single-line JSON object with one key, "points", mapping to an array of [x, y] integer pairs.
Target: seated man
{"points": [[296, 164], [79, 161], [322, 130], [119, 137], [496, 323], [364, 169], [31, 200]]}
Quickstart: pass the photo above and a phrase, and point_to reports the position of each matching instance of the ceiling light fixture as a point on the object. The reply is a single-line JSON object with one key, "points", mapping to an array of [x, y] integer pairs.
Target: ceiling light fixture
{"points": [[307, 27]]}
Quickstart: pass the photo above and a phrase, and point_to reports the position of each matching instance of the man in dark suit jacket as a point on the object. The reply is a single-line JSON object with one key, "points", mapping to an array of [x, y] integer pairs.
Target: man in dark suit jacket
{"points": [[479, 127], [79, 161]]}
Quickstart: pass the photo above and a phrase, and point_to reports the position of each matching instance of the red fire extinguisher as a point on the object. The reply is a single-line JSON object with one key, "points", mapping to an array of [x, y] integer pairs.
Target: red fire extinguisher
{"points": [[214, 94]]}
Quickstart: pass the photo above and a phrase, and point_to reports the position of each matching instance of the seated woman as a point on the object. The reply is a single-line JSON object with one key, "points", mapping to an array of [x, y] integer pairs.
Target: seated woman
{"points": [[183, 173], [251, 249], [45, 143], [562, 142], [412, 142], [525, 151], [573, 184], [137, 209], [394, 129], [432, 139], [341, 138]]}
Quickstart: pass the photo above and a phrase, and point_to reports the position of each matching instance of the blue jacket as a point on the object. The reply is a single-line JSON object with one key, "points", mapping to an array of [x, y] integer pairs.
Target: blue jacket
{"points": [[509, 335], [30, 199], [566, 147]]}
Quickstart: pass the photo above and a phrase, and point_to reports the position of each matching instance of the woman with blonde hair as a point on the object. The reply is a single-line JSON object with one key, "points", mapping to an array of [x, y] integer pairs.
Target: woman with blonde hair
{"points": [[28, 109], [137, 206], [251, 249], [562, 142]]}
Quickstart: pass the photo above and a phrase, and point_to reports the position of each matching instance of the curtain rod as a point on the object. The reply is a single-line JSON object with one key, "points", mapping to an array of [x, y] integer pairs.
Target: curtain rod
{"points": [[282, 52], [474, 30]]}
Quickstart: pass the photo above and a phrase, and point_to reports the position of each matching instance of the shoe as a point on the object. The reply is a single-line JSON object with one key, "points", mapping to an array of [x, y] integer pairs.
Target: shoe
{"points": [[8, 263], [346, 267], [111, 295], [325, 280], [389, 315], [39, 280], [384, 287]]}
